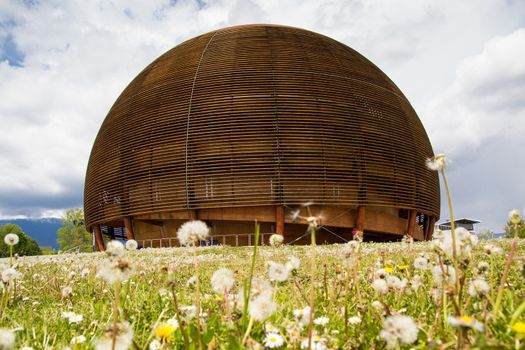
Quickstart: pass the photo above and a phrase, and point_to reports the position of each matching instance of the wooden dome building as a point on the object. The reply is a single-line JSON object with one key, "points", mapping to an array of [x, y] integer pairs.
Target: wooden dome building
{"points": [[249, 123]]}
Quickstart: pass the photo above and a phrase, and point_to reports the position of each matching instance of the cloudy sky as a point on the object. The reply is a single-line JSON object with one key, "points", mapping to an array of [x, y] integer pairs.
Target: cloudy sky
{"points": [[63, 64]]}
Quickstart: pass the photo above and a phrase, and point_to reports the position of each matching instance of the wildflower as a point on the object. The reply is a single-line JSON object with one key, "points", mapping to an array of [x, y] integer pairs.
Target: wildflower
{"points": [[350, 248], [421, 263], [115, 271], [354, 320], [165, 330], [273, 340], [75, 318], [189, 311], [402, 267], [222, 280], [9, 275], [464, 243], [115, 249], [11, 239], [377, 305], [131, 245], [276, 240], [259, 286], [302, 315], [7, 338], [270, 328], [491, 249], [262, 307], [380, 286], [84, 272], [395, 283], [437, 162], [318, 343], [416, 282], [514, 217], [465, 322], [191, 281], [478, 287], [381, 274], [399, 329], [293, 263], [448, 275], [277, 272], [519, 327], [66, 291], [123, 340], [321, 321], [389, 269], [79, 339], [155, 345], [192, 231], [483, 266], [26, 348]]}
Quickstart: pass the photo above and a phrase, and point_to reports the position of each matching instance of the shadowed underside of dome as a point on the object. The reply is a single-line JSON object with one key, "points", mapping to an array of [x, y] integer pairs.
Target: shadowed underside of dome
{"points": [[249, 123]]}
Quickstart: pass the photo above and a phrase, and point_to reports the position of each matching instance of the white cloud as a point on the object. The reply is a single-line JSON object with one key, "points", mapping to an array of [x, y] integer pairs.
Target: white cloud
{"points": [[79, 55]]}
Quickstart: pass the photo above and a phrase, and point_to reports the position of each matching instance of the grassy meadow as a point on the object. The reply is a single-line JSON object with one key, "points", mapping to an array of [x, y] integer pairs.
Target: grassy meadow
{"points": [[366, 295]]}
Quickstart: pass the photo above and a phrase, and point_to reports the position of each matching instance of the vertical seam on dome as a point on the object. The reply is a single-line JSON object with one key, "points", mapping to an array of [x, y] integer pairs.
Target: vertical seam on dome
{"points": [[188, 119]]}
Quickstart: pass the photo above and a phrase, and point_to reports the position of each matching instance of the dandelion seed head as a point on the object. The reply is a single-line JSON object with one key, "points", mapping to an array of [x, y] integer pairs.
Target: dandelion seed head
{"points": [[276, 240], [380, 285], [277, 272], [115, 249], [514, 217], [478, 287], [491, 249], [465, 322], [262, 307], [123, 340], [399, 329], [131, 245], [7, 338], [192, 231], [11, 239], [437, 162], [222, 280], [293, 263]]}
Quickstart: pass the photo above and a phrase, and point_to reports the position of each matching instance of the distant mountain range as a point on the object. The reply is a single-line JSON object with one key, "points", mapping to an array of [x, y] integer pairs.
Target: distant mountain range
{"points": [[43, 231]]}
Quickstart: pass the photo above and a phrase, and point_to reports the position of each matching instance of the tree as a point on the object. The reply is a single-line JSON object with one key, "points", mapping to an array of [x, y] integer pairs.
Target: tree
{"points": [[26, 245], [73, 233], [487, 234], [509, 229]]}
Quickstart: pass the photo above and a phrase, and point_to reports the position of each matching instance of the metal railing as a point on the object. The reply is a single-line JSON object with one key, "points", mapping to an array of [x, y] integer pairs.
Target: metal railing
{"points": [[236, 240]]}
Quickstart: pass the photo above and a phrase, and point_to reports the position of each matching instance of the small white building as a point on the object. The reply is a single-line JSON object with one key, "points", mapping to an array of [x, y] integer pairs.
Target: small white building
{"points": [[463, 222]]}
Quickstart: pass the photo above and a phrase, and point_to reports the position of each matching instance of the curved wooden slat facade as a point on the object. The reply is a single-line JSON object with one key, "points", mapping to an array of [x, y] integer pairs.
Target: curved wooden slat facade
{"points": [[245, 120]]}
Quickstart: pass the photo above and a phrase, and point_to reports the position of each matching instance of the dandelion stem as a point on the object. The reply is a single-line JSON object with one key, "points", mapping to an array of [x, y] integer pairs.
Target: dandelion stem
{"points": [[10, 256], [505, 273], [197, 294], [248, 284], [248, 330], [115, 315], [312, 286], [179, 320], [453, 233]]}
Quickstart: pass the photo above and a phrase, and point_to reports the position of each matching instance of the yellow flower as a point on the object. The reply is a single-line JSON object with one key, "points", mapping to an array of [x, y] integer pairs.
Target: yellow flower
{"points": [[466, 319], [165, 330], [519, 327], [402, 267], [388, 269]]}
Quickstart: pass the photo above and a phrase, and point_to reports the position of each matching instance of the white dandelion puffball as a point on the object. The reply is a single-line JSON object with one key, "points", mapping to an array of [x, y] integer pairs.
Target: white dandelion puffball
{"points": [[276, 240], [399, 329], [464, 243], [131, 245], [192, 231], [293, 263], [437, 162], [380, 286], [124, 338], [277, 272], [478, 287], [79, 339], [262, 307], [9, 275], [11, 239], [421, 263], [115, 249], [222, 280], [7, 338], [448, 275], [514, 217]]}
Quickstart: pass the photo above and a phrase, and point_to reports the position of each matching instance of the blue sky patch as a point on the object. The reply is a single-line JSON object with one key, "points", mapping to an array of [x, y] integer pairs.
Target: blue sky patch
{"points": [[10, 53]]}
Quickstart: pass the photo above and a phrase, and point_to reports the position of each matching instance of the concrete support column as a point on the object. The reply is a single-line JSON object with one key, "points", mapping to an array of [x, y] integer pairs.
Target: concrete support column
{"points": [[430, 233], [99, 241], [411, 223], [279, 220], [130, 234]]}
